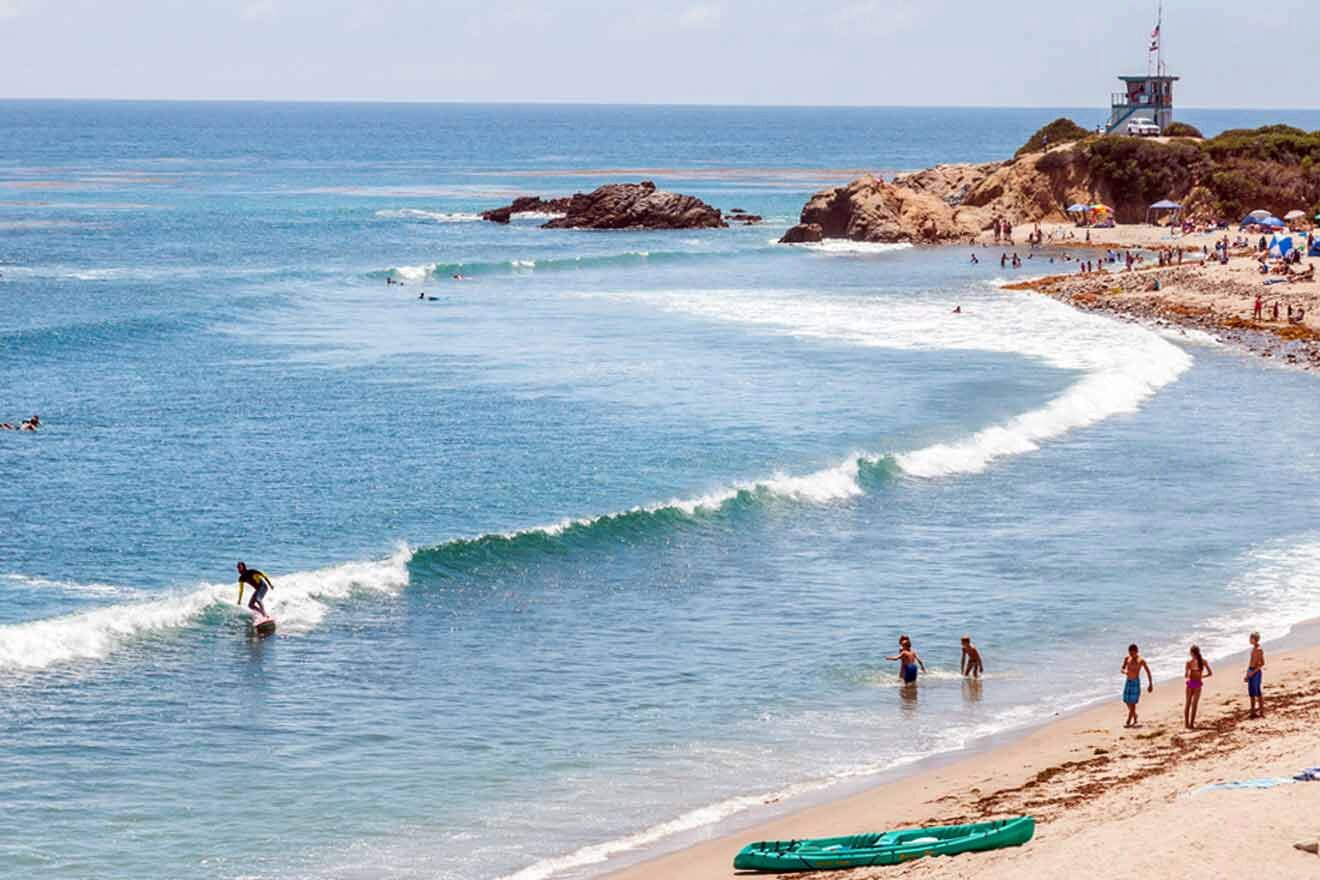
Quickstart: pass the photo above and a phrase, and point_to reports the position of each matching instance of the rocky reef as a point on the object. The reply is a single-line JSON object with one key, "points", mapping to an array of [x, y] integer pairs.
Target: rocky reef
{"points": [[617, 206]]}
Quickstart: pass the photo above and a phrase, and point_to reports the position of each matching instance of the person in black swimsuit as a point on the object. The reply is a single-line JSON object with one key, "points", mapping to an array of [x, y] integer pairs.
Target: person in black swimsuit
{"points": [[259, 583]]}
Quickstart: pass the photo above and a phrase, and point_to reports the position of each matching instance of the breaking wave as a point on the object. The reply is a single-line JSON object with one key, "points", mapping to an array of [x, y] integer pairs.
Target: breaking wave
{"points": [[419, 215], [299, 600], [427, 271]]}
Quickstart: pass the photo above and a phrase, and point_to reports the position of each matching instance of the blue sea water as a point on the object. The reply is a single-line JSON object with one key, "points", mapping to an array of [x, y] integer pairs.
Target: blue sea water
{"points": [[603, 544]]}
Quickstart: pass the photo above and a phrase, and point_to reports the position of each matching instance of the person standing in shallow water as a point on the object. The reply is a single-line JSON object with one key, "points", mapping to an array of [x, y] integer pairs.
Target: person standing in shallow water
{"points": [[1133, 663], [1196, 672], [908, 661]]}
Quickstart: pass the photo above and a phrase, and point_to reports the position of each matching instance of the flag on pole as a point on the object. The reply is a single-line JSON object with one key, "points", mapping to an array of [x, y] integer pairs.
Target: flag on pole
{"points": [[1155, 39]]}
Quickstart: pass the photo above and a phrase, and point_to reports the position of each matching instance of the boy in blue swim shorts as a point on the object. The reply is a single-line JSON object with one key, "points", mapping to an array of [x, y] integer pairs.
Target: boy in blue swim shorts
{"points": [[1133, 663], [1255, 666]]}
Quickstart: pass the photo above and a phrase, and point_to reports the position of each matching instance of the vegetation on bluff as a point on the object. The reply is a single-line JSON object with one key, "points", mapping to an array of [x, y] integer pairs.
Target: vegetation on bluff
{"points": [[1276, 168], [1061, 131]]}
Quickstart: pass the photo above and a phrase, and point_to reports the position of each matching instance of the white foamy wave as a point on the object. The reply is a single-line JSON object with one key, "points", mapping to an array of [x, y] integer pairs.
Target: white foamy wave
{"points": [[299, 602], [844, 246], [413, 273], [434, 216], [1280, 588], [536, 215], [1120, 364]]}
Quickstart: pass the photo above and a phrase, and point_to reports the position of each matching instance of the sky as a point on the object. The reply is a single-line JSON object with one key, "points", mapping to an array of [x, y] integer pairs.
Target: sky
{"points": [[1019, 53]]}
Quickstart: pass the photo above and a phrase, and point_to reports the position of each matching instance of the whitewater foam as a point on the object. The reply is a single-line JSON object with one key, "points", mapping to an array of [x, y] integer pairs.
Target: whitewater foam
{"points": [[434, 216], [299, 602], [1121, 365], [853, 248]]}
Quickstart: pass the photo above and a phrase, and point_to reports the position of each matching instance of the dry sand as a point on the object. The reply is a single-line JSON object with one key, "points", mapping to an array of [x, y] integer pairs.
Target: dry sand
{"points": [[1114, 803], [1217, 299]]}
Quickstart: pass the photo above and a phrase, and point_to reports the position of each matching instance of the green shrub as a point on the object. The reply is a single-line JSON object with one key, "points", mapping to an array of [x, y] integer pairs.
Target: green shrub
{"points": [[1060, 131], [1138, 171], [1182, 130]]}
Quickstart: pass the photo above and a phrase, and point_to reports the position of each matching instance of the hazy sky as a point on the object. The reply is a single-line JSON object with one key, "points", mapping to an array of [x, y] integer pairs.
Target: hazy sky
{"points": [[934, 52]]}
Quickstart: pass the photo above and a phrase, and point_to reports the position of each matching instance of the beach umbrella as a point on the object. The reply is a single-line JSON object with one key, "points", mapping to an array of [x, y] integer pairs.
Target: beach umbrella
{"points": [[1077, 209], [1272, 222], [1259, 214], [1294, 215]]}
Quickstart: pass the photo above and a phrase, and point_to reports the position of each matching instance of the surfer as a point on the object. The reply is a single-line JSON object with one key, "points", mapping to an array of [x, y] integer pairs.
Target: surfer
{"points": [[259, 583]]}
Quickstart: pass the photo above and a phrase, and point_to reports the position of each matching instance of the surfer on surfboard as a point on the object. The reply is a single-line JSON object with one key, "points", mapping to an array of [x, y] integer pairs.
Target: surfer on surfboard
{"points": [[259, 583]]}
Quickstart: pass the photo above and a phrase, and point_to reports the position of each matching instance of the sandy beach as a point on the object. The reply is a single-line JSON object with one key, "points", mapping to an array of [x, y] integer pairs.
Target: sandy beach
{"points": [[1210, 297], [1117, 802]]}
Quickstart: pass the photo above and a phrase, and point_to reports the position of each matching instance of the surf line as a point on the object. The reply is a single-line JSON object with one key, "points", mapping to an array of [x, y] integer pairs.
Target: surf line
{"points": [[1115, 386]]}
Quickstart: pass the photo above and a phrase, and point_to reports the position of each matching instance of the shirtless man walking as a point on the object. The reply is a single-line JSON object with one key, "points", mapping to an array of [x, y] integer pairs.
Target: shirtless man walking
{"points": [[1133, 663]]}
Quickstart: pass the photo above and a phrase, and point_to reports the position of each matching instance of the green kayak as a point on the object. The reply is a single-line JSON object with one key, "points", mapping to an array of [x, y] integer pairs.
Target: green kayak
{"points": [[890, 848]]}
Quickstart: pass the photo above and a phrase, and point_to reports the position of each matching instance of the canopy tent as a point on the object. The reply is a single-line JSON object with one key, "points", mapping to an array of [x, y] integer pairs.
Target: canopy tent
{"points": [[1164, 205], [1280, 247]]}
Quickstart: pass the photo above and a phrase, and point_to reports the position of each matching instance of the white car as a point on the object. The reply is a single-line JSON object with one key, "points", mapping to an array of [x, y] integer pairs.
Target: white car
{"points": [[1141, 127]]}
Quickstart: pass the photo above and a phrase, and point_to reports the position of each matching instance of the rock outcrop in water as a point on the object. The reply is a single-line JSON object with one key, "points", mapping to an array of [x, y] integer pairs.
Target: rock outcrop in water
{"points": [[618, 206], [526, 205]]}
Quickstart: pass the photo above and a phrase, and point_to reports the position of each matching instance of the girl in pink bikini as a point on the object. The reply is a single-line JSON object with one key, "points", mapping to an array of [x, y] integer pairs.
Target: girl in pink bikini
{"points": [[1197, 671]]}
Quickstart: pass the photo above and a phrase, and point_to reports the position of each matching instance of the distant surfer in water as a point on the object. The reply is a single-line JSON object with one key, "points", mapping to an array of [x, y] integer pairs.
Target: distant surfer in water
{"points": [[259, 583]]}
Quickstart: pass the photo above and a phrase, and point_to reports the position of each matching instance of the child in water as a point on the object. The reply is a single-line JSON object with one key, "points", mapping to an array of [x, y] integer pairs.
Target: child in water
{"points": [[971, 659], [1133, 663], [1196, 672], [908, 661]]}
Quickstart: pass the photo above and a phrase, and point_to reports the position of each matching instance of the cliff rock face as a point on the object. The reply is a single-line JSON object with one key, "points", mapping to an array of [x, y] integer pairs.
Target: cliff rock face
{"points": [[619, 206], [950, 202], [869, 209]]}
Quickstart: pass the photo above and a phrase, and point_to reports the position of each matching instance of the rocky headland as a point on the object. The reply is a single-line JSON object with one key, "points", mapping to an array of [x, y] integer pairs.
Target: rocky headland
{"points": [[617, 206], [1223, 178]]}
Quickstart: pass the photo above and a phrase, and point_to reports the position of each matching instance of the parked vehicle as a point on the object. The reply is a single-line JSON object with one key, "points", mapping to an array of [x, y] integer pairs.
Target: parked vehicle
{"points": [[1140, 126]]}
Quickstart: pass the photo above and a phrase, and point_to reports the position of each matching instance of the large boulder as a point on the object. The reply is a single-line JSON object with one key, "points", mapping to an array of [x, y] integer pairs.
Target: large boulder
{"points": [[619, 206], [869, 209], [803, 233]]}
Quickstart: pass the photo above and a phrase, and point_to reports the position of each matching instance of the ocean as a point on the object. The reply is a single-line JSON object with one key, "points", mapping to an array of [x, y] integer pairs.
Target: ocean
{"points": [[603, 545]]}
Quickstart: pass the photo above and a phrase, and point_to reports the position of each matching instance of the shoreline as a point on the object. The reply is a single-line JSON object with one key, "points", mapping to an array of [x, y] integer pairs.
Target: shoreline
{"points": [[1206, 297], [1075, 772]]}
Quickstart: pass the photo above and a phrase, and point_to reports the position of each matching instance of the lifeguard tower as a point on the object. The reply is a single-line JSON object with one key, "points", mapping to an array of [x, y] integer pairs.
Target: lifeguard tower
{"points": [[1149, 96]]}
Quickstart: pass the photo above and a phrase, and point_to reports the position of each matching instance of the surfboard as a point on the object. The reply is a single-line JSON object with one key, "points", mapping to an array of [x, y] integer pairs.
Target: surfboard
{"points": [[263, 626]]}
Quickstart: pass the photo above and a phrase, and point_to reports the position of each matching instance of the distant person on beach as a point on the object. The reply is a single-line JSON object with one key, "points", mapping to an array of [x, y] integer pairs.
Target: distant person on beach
{"points": [[31, 424], [908, 661], [974, 259], [1133, 663], [1259, 311], [1196, 672], [1255, 667], [971, 659], [259, 583], [957, 310]]}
